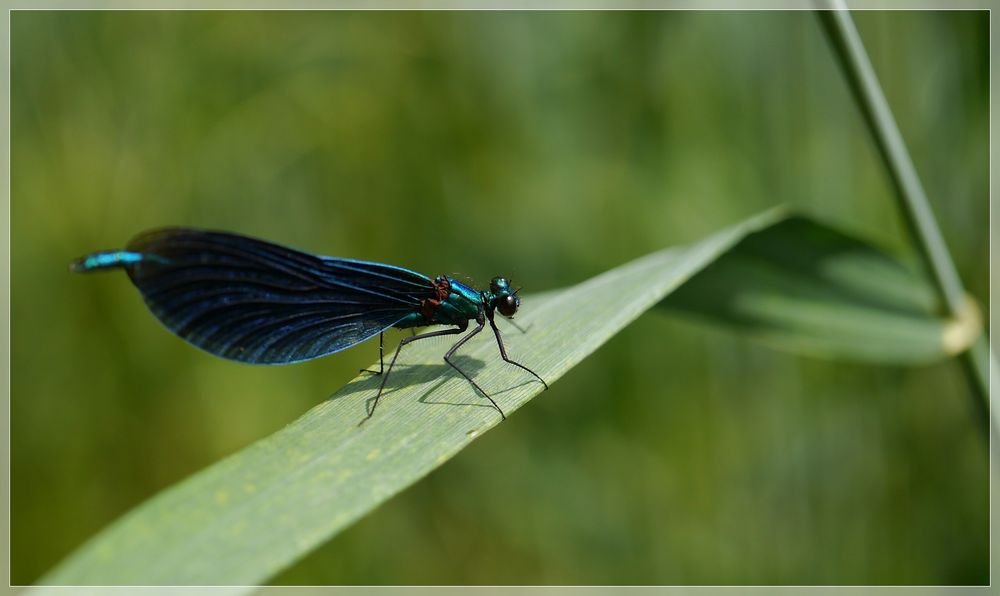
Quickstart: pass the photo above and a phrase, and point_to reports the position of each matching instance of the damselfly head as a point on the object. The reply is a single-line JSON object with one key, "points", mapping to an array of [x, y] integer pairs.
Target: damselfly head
{"points": [[507, 305], [500, 285], [504, 300]]}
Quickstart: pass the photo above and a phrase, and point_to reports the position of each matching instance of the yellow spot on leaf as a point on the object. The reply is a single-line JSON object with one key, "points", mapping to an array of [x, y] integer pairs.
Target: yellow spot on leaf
{"points": [[962, 331]]}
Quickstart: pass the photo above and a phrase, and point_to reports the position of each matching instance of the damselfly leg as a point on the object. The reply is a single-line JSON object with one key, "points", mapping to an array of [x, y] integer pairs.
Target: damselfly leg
{"points": [[392, 362], [503, 354], [447, 358], [454, 348]]}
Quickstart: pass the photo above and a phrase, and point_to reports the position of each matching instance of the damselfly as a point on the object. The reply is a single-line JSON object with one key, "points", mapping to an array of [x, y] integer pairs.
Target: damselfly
{"points": [[257, 302]]}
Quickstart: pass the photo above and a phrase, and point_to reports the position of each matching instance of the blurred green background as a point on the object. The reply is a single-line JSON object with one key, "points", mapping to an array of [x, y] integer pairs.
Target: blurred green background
{"points": [[544, 146]]}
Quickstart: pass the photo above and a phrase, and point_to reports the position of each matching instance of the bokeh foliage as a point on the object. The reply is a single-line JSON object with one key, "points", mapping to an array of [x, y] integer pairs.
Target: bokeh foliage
{"points": [[544, 146]]}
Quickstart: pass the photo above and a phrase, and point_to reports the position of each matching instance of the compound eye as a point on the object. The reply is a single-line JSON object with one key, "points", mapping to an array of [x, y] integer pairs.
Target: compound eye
{"points": [[508, 305]]}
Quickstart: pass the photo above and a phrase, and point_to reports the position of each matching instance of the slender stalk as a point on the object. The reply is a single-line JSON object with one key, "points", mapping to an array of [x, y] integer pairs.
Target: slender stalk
{"points": [[912, 201]]}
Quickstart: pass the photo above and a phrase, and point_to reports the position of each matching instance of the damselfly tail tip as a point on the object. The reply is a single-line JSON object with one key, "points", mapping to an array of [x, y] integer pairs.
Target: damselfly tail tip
{"points": [[104, 260], [78, 266]]}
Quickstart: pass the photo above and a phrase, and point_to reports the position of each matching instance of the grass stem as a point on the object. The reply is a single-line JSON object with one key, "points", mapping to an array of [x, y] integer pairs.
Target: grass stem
{"points": [[913, 204]]}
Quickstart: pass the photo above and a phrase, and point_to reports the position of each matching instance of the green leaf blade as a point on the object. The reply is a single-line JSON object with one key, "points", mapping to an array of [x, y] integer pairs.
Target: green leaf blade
{"points": [[806, 288], [243, 520], [251, 515]]}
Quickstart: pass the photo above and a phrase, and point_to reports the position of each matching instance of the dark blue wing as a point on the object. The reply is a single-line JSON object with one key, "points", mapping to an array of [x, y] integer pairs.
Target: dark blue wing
{"points": [[259, 302]]}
